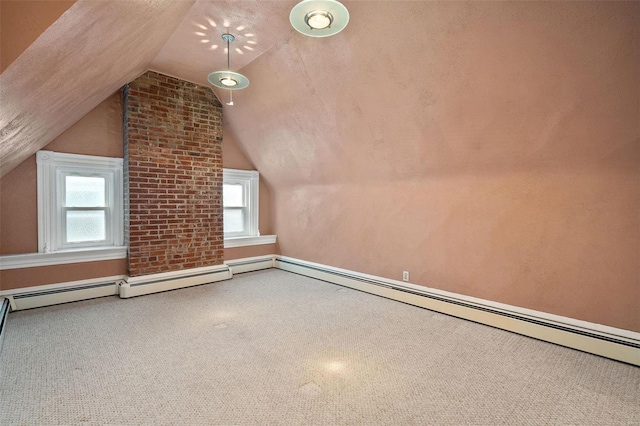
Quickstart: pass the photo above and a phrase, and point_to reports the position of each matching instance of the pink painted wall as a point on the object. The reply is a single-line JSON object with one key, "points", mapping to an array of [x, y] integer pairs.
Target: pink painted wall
{"points": [[491, 149], [250, 251], [30, 277], [97, 133], [234, 158]]}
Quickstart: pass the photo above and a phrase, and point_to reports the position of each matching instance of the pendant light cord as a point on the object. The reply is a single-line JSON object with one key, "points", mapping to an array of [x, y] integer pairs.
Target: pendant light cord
{"points": [[229, 69]]}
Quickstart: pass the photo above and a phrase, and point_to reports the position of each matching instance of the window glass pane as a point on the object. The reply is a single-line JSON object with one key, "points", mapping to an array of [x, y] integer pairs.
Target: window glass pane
{"points": [[84, 191], [86, 226], [232, 195], [233, 220]]}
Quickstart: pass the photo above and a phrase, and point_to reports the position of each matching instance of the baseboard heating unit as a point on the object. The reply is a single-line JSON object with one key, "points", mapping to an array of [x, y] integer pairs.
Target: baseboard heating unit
{"points": [[609, 342], [54, 294], [618, 344], [250, 264], [147, 284]]}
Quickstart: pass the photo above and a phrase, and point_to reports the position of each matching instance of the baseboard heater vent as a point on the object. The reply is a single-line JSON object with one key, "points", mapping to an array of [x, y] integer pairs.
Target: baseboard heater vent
{"points": [[65, 294], [147, 284], [250, 264], [616, 344]]}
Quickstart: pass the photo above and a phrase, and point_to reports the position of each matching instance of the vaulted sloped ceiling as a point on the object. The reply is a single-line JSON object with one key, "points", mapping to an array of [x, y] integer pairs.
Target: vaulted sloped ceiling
{"points": [[92, 50], [382, 99], [96, 47], [412, 89], [196, 48]]}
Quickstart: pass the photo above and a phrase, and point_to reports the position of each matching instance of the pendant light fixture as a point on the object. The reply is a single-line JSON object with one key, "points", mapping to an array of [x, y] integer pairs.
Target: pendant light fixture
{"points": [[319, 18], [228, 79]]}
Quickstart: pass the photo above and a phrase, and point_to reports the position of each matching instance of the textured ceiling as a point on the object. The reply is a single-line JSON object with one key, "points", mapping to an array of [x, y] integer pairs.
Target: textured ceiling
{"points": [[64, 58], [414, 89], [408, 88], [196, 48], [91, 51]]}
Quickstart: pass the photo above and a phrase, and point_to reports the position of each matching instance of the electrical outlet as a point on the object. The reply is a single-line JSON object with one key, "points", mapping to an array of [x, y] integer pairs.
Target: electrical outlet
{"points": [[405, 275]]}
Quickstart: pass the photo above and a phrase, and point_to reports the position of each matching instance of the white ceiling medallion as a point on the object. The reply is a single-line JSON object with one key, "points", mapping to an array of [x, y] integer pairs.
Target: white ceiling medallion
{"points": [[228, 79], [319, 18]]}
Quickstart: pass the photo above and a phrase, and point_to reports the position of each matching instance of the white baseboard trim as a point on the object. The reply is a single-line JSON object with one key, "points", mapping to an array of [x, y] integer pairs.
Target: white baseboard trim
{"points": [[609, 342], [154, 283], [53, 294], [250, 264]]}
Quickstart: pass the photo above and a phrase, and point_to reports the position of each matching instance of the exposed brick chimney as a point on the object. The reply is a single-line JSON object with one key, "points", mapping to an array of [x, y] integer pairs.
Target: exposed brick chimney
{"points": [[173, 175]]}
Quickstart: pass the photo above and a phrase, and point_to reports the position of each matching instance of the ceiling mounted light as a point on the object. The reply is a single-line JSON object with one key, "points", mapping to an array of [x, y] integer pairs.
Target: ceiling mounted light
{"points": [[319, 18], [228, 79]]}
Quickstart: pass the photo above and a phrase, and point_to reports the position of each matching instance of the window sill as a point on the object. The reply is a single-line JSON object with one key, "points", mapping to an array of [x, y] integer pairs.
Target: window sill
{"points": [[249, 241], [31, 260]]}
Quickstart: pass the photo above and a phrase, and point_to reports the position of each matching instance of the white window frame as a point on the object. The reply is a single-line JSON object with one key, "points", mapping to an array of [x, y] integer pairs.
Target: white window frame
{"points": [[250, 181], [52, 168]]}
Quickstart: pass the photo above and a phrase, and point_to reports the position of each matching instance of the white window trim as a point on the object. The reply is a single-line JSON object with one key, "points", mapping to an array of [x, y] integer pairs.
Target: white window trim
{"points": [[51, 165], [32, 260], [250, 179], [249, 241]]}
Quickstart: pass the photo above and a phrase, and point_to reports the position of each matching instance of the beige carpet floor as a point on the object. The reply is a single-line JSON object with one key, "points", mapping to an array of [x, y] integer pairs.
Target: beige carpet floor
{"points": [[273, 347]]}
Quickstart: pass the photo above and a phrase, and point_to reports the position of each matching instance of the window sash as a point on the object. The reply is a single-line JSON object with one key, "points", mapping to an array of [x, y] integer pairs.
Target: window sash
{"points": [[249, 180], [61, 240], [245, 192], [105, 178], [53, 168], [245, 221], [64, 234]]}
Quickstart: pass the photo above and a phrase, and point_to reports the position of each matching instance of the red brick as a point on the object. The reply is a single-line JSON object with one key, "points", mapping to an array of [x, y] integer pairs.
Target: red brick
{"points": [[174, 171]]}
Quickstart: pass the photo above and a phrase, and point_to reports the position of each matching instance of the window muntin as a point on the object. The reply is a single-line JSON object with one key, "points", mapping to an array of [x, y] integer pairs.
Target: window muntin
{"points": [[79, 202], [240, 203]]}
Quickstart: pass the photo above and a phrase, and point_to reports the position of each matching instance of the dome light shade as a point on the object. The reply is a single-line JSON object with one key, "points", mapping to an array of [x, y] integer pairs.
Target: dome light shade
{"points": [[319, 18]]}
